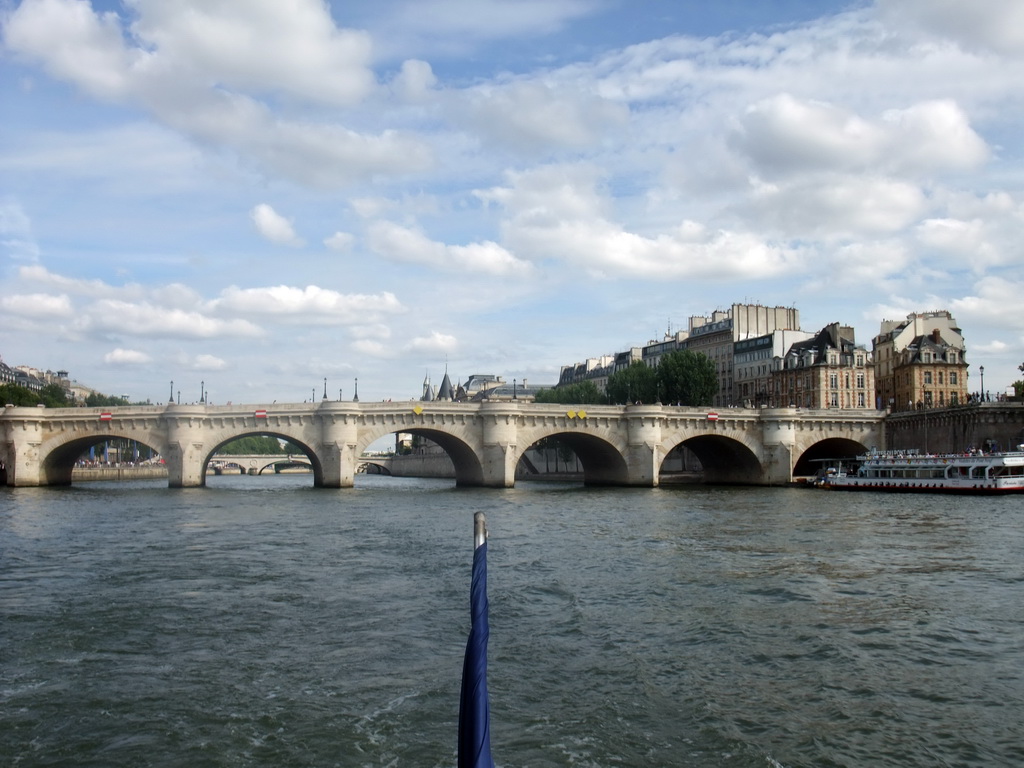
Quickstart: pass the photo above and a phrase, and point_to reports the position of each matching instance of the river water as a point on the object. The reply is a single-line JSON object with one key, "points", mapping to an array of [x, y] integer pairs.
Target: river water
{"points": [[262, 622]]}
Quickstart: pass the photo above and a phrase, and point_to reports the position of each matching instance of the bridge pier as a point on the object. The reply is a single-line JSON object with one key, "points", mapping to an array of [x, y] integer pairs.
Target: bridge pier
{"points": [[21, 446], [643, 457], [336, 453], [778, 435], [337, 464], [186, 448], [499, 457]]}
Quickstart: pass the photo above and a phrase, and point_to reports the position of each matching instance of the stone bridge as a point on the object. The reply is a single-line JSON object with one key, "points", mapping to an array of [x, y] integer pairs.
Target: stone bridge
{"points": [[256, 464], [616, 445]]}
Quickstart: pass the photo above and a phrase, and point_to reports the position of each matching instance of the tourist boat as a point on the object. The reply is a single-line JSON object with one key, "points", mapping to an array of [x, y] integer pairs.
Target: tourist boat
{"points": [[909, 471]]}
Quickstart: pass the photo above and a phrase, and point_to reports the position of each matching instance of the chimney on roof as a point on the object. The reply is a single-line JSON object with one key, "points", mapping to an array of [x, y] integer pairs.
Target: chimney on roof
{"points": [[936, 336]]}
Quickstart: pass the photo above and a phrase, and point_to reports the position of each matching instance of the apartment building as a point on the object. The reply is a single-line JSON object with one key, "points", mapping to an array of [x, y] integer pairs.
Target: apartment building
{"points": [[920, 362], [827, 370]]}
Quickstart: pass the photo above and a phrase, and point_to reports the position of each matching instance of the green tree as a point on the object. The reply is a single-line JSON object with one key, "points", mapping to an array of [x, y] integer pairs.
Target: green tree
{"points": [[97, 400], [54, 396], [686, 377], [583, 393], [637, 383], [15, 395], [259, 445], [51, 395]]}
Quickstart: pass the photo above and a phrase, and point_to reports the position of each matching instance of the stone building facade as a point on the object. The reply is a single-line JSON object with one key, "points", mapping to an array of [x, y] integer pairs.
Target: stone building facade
{"points": [[828, 370], [920, 362]]}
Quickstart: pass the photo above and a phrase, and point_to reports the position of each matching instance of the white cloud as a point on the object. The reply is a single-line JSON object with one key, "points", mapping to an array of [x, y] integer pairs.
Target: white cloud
{"points": [[995, 301], [122, 318], [411, 246], [558, 214], [372, 207], [274, 227], [372, 348], [835, 207], [202, 69], [293, 47], [16, 232], [126, 357], [784, 135], [41, 306], [94, 288], [208, 363], [371, 331], [415, 81], [284, 302], [536, 118], [340, 242], [435, 343], [996, 25], [74, 44]]}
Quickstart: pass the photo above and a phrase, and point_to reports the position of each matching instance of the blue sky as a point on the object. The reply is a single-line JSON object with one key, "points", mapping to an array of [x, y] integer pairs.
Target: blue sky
{"points": [[261, 194]]}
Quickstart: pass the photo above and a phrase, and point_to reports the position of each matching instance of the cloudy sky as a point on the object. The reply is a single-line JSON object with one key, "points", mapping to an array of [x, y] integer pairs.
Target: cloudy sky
{"points": [[261, 194]]}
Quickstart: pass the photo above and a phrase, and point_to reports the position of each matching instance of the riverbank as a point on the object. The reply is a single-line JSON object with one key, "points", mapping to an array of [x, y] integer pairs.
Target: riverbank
{"points": [[148, 472]]}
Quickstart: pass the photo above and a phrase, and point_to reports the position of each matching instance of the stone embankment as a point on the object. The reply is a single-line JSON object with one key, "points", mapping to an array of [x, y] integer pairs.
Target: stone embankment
{"points": [[150, 472]]}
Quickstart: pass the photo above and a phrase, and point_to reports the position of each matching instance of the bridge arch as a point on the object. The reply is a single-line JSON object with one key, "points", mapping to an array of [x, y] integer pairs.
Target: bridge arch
{"points": [[725, 459], [57, 461], [469, 470], [808, 463], [602, 461], [373, 467], [314, 460]]}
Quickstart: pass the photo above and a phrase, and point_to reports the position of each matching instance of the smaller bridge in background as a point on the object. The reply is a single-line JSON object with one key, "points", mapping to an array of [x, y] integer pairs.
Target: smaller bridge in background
{"points": [[257, 464]]}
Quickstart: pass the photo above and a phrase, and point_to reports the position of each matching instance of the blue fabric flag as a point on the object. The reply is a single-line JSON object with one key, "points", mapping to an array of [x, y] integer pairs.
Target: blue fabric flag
{"points": [[474, 709]]}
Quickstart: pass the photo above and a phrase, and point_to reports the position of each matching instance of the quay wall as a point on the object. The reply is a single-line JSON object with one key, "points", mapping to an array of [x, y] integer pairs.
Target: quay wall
{"points": [[990, 426], [423, 465], [85, 474]]}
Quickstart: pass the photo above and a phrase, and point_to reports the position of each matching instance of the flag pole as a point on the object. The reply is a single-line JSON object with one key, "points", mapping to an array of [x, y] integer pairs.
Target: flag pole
{"points": [[474, 707]]}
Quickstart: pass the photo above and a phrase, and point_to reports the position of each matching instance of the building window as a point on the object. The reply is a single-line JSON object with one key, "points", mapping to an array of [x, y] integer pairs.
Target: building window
{"points": [[940, 377], [860, 399], [860, 381], [833, 380], [952, 377], [835, 399], [927, 377]]}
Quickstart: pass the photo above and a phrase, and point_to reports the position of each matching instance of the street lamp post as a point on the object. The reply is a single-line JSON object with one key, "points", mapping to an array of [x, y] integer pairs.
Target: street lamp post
{"points": [[172, 392], [325, 387], [514, 395], [202, 391], [355, 396], [981, 370]]}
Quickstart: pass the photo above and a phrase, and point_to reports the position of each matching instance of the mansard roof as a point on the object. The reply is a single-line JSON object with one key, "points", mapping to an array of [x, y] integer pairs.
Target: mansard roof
{"points": [[832, 337]]}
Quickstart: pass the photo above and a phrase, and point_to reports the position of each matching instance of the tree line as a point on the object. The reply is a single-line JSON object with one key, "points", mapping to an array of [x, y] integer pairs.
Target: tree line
{"points": [[54, 396], [683, 377]]}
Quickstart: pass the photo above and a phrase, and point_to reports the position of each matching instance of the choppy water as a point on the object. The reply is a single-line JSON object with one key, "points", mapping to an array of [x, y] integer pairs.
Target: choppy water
{"points": [[260, 622]]}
